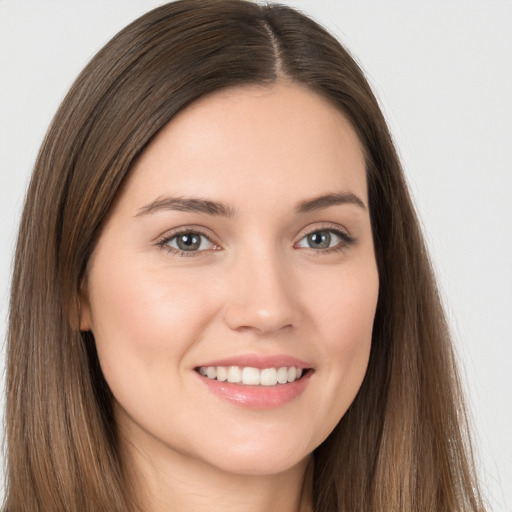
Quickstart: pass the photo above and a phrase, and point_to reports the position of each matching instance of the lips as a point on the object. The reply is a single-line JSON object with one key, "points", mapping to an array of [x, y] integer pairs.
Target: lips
{"points": [[255, 381]]}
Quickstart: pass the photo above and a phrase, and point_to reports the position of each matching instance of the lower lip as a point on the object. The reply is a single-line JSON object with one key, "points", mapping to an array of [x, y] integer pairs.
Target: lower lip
{"points": [[257, 397]]}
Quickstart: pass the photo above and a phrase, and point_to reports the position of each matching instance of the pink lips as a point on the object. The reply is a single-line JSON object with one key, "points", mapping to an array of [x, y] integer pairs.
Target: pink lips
{"points": [[258, 397]]}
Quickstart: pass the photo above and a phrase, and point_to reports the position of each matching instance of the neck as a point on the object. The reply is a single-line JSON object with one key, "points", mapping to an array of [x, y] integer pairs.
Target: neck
{"points": [[180, 484]]}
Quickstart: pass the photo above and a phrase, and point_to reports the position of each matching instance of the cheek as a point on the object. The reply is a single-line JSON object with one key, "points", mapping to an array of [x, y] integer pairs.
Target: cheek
{"points": [[345, 310], [344, 319], [145, 320], [348, 317]]}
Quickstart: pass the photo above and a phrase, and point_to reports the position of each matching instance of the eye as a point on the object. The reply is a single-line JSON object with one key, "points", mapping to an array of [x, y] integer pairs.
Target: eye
{"points": [[189, 241], [323, 239]]}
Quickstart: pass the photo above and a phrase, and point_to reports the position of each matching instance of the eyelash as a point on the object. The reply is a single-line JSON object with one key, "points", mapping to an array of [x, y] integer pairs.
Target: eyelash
{"points": [[345, 239], [168, 237], [163, 243]]}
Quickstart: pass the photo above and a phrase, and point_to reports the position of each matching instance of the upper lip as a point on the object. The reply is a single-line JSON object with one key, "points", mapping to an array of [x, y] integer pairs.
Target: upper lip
{"points": [[259, 361]]}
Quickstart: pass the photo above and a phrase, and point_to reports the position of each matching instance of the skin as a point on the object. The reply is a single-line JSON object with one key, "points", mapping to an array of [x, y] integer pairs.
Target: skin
{"points": [[256, 286]]}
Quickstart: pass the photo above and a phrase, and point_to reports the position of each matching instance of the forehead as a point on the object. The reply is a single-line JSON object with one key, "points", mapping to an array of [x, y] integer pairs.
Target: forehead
{"points": [[277, 141]]}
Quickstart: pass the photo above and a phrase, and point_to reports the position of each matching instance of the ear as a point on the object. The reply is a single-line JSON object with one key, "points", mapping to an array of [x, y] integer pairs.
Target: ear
{"points": [[85, 307]]}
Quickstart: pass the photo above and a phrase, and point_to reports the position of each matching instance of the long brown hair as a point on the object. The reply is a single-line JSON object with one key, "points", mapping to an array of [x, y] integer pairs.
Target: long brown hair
{"points": [[402, 445]]}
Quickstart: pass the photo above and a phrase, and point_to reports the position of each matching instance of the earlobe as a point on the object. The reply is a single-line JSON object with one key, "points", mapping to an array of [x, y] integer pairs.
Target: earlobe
{"points": [[85, 319]]}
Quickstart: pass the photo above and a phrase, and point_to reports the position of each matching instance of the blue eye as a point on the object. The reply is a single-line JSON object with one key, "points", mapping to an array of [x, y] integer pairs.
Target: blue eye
{"points": [[189, 242], [325, 239]]}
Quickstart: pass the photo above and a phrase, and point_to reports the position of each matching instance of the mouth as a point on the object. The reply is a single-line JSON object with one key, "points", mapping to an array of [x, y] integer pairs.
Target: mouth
{"points": [[256, 381], [250, 376]]}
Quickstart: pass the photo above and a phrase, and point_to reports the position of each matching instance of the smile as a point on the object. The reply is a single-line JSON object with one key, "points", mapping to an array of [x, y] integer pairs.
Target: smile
{"points": [[250, 376], [256, 381]]}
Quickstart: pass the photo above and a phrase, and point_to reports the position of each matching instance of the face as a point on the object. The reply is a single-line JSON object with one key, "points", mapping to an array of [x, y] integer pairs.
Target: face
{"points": [[233, 289]]}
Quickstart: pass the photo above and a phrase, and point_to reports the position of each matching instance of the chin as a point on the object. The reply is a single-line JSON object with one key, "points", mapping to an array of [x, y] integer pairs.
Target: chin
{"points": [[259, 456], [259, 464]]}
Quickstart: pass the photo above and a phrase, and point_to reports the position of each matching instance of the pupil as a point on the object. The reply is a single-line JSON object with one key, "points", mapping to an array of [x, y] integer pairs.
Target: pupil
{"points": [[320, 239], [189, 242]]}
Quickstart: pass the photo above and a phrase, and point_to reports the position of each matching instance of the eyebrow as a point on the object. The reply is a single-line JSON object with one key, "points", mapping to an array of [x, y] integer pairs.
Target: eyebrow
{"points": [[208, 207], [184, 204], [320, 202]]}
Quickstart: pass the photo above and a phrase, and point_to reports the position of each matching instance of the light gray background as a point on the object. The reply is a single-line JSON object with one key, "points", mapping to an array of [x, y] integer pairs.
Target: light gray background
{"points": [[442, 71]]}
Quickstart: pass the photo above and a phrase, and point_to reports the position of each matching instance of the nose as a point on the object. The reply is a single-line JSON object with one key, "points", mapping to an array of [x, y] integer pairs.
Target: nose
{"points": [[262, 296]]}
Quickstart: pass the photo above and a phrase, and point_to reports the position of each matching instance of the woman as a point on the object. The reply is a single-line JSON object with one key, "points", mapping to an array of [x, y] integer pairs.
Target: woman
{"points": [[221, 295]]}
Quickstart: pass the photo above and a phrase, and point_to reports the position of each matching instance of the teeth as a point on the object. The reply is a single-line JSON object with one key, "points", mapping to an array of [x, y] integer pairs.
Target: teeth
{"points": [[234, 374], [282, 375], [252, 376], [222, 373], [268, 377], [211, 372]]}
